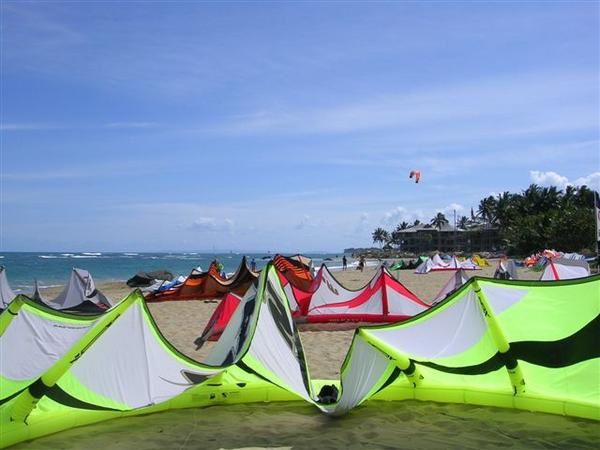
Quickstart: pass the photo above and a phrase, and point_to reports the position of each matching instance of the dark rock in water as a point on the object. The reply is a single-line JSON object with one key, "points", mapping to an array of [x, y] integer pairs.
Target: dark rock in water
{"points": [[141, 279], [328, 259], [266, 257]]}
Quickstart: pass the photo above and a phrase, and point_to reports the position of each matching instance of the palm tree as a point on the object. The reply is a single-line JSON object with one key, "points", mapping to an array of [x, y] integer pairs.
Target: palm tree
{"points": [[505, 206], [570, 194], [380, 235], [532, 199], [487, 209], [439, 221], [584, 197], [463, 222], [416, 222]]}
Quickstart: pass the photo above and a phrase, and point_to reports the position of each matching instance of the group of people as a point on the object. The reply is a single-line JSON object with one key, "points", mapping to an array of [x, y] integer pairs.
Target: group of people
{"points": [[360, 266]]}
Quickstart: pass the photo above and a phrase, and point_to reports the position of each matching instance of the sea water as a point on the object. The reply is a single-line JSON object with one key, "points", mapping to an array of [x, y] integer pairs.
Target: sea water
{"points": [[53, 269]]}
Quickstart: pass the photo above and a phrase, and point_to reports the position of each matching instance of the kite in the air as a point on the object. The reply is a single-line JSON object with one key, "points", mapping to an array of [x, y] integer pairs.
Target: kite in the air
{"points": [[416, 174]]}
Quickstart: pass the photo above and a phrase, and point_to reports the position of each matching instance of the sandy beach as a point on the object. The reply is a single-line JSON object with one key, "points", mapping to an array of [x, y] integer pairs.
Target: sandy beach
{"points": [[415, 425]]}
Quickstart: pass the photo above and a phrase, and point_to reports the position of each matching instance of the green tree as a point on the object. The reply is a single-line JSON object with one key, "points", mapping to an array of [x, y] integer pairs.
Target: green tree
{"points": [[381, 236], [546, 217], [487, 209], [439, 220], [534, 219]]}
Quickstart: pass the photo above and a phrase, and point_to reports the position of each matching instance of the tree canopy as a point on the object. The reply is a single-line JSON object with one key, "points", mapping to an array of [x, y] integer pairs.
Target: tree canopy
{"points": [[381, 236], [537, 218]]}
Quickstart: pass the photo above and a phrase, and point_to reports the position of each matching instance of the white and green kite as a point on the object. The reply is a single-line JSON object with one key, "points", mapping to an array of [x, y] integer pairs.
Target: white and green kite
{"points": [[526, 345]]}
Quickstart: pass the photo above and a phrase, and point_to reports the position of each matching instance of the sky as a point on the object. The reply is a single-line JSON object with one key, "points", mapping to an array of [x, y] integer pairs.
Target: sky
{"points": [[283, 126]]}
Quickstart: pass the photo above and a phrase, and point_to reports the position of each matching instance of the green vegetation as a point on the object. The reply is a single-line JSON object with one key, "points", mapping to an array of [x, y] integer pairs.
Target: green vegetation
{"points": [[537, 218], [381, 236]]}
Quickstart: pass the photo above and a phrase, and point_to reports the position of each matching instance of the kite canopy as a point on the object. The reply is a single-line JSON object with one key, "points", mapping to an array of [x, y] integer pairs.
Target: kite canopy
{"points": [[210, 284], [383, 299], [565, 269], [467, 264], [436, 263], [540, 259], [397, 265], [79, 295], [6, 293], [456, 280], [296, 269], [426, 266], [480, 261], [500, 343], [219, 319], [416, 174]]}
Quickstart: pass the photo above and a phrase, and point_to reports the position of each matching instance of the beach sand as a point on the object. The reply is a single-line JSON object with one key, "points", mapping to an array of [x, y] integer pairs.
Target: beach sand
{"points": [[409, 424]]}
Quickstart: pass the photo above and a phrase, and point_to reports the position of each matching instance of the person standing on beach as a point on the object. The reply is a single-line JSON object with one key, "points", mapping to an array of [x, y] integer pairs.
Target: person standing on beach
{"points": [[253, 265], [361, 263], [220, 268], [344, 263]]}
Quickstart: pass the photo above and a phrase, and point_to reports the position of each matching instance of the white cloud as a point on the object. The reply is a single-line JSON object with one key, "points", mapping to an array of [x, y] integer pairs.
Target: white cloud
{"points": [[592, 181], [548, 179], [551, 178], [400, 214], [213, 225], [395, 216], [536, 106], [28, 126], [449, 210]]}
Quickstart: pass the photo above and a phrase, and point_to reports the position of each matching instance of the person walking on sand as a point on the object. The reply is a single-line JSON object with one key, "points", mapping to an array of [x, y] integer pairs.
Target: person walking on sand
{"points": [[361, 263], [344, 263]]}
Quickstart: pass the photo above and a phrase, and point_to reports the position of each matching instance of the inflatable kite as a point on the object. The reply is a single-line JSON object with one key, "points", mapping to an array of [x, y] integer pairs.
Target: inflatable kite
{"points": [[416, 174], [529, 345]]}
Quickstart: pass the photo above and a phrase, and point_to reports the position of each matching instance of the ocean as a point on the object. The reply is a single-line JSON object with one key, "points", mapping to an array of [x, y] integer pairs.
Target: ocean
{"points": [[53, 269]]}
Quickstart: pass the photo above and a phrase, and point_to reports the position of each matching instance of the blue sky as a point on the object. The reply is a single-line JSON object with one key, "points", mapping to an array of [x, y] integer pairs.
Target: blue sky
{"points": [[283, 126]]}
